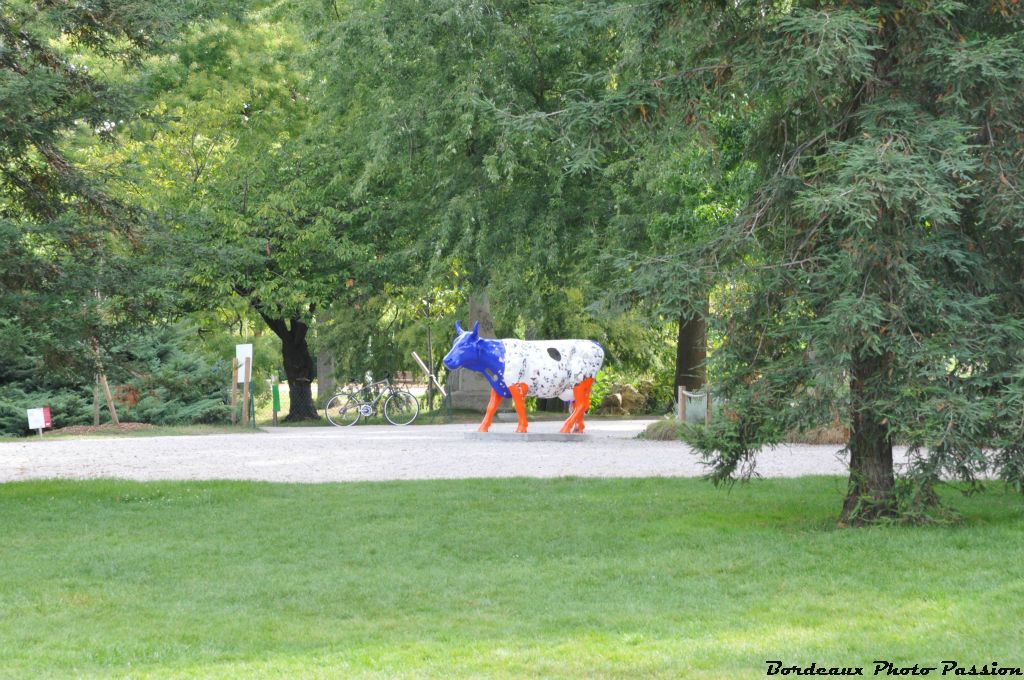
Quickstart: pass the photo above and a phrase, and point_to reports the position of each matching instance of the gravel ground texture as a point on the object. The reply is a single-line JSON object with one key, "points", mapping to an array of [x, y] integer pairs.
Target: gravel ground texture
{"points": [[362, 453]]}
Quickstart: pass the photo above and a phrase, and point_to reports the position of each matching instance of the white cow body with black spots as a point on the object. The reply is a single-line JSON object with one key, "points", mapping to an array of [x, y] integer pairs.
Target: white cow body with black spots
{"points": [[551, 368]]}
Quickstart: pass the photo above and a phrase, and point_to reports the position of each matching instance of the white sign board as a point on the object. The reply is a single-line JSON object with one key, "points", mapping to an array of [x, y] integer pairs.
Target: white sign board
{"points": [[36, 419], [243, 352]]}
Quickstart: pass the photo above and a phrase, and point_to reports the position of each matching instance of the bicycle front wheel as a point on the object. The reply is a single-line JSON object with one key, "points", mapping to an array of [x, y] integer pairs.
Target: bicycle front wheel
{"points": [[342, 410], [401, 408]]}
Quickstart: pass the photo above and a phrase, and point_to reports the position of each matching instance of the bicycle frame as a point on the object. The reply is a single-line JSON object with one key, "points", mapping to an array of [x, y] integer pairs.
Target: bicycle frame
{"points": [[371, 394], [367, 400]]}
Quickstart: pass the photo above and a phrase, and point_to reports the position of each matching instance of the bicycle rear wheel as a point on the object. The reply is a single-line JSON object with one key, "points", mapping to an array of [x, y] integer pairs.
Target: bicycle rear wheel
{"points": [[401, 408], [342, 410]]}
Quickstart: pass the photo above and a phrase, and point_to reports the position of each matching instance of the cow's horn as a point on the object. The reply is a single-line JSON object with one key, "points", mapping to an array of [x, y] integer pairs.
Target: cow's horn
{"points": [[476, 328], [458, 327]]}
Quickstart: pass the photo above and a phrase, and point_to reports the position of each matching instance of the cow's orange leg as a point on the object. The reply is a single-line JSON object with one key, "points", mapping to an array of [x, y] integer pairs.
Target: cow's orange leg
{"points": [[492, 408], [581, 395], [519, 399], [581, 402]]}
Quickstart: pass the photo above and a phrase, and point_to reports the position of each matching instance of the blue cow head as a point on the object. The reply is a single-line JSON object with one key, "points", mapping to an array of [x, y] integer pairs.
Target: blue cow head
{"points": [[479, 354], [465, 350]]}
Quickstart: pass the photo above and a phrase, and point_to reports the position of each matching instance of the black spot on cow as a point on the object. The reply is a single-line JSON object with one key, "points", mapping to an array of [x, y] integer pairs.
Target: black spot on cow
{"points": [[554, 354]]}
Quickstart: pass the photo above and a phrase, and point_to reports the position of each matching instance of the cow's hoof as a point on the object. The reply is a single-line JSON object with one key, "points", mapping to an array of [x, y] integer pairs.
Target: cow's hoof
{"points": [[521, 430], [482, 429]]}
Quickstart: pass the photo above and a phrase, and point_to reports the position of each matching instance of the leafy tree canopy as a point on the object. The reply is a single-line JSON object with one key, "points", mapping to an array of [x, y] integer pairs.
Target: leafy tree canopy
{"points": [[876, 268]]}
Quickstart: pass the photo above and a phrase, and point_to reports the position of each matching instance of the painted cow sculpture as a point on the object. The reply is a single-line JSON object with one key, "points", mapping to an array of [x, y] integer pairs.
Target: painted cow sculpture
{"points": [[521, 368]]}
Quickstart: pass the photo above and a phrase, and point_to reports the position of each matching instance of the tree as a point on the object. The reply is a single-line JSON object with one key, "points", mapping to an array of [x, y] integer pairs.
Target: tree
{"points": [[79, 268], [676, 190], [223, 159], [662, 174], [413, 92], [876, 267]]}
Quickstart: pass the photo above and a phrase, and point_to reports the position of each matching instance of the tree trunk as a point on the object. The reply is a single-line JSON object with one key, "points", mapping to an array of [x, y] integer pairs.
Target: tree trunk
{"points": [[96, 401], [871, 490], [298, 367], [480, 310], [691, 351]]}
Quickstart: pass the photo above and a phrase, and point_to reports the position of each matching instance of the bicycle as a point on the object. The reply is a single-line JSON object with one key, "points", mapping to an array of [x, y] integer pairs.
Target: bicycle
{"points": [[347, 408]]}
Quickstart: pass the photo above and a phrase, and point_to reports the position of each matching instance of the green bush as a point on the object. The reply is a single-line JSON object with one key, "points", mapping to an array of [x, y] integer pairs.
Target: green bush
{"points": [[174, 380], [667, 429], [176, 384], [68, 406]]}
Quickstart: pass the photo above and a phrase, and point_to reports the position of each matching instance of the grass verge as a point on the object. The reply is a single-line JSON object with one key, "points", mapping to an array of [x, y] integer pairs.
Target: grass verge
{"points": [[491, 578]]}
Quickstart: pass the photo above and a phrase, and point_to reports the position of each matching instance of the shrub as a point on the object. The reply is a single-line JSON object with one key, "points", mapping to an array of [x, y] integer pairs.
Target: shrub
{"points": [[667, 429], [166, 381]]}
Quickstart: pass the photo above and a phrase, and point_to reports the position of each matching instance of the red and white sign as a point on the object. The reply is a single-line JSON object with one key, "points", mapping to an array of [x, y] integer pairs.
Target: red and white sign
{"points": [[39, 418]]}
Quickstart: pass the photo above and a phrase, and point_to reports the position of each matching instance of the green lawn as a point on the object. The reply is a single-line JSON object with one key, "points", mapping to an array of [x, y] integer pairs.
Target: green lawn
{"points": [[563, 578]]}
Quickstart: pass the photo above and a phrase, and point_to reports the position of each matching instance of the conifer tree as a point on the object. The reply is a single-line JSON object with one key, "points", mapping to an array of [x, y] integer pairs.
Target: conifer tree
{"points": [[75, 263], [876, 270]]}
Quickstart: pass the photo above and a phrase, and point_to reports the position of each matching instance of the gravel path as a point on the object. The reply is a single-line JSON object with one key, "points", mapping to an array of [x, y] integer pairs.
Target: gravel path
{"points": [[332, 454]]}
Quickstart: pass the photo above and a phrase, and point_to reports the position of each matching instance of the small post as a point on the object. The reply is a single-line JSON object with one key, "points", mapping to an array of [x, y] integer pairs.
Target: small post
{"points": [[245, 391], [96, 401], [252, 409], [234, 390], [682, 404], [707, 413], [110, 399], [430, 358], [275, 392]]}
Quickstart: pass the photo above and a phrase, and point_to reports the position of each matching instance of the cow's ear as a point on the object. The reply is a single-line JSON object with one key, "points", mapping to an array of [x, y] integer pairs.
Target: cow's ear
{"points": [[476, 329], [458, 327]]}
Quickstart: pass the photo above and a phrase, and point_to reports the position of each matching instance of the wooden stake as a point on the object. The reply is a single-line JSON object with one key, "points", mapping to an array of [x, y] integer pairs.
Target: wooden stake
{"points": [[682, 404], [431, 378], [707, 414], [234, 390], [110, 399], [245, 391]]}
